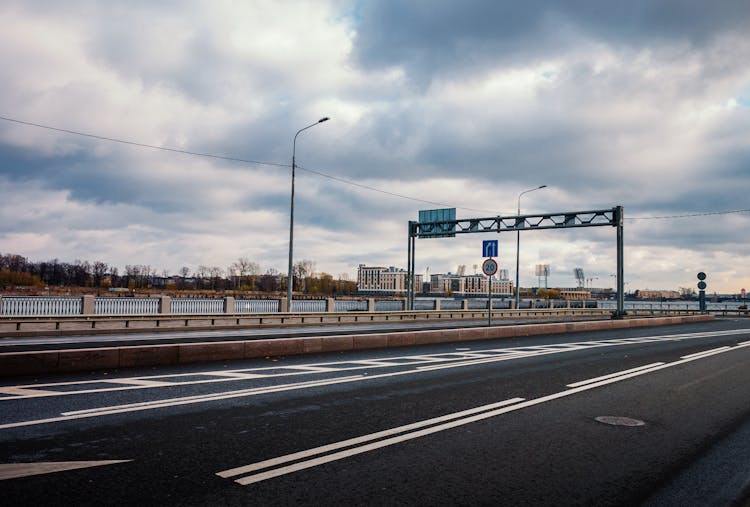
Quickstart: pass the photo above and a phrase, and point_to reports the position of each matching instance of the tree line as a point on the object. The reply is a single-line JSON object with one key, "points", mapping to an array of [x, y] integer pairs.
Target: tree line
{"points": [[241, 275]]}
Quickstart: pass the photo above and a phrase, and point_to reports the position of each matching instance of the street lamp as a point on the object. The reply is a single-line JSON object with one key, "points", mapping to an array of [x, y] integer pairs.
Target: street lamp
{"points": [[290, 279], [518, 240]]}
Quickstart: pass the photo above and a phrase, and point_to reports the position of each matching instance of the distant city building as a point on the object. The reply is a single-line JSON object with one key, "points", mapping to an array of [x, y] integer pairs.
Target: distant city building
{"points": [[386, 281], [658, 294], [468, 285], [575, 293]]}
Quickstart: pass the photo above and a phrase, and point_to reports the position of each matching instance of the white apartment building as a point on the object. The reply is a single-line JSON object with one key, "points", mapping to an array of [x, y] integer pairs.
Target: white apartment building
{"points": [[386, 281], [468, 285]]}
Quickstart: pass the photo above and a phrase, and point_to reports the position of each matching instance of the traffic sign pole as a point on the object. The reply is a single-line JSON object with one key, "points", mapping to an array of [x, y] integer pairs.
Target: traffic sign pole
{"points": [[702, 292], [489, 303], [489, 268]]}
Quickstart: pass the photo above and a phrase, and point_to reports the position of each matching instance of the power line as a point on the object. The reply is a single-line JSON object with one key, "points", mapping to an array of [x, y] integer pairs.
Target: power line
{"points": [[142, 145], [312, 171], [232, 159], [704, 214], [366, 187]]}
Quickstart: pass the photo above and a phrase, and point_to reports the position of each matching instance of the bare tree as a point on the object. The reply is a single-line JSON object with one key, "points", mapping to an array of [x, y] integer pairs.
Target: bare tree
{"points": [[216, 273], [98, 270], [302, 270], [244, 268], [184, 272]]}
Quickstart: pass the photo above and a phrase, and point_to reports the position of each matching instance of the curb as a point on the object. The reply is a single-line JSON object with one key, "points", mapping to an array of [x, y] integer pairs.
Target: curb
{"points": [[72, 360]]}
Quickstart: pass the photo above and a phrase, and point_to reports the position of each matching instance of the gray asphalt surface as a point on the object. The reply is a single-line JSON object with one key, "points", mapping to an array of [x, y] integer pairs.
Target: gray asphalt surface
{"points": [[546, 449]]}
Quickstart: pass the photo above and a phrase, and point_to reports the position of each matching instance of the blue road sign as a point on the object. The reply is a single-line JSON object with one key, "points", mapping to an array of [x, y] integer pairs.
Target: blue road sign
{"points": [[489, 248]]}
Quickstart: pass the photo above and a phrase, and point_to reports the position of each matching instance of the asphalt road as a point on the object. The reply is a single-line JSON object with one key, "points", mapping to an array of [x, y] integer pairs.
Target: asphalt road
{"points": [[504, 422]]}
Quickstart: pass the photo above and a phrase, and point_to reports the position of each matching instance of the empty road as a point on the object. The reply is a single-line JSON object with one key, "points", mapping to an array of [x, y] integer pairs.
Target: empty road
{"points": [[655, 416]]}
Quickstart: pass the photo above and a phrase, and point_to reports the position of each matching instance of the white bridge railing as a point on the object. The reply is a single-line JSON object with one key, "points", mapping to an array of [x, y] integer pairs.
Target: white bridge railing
{"points": [[53, 306]]}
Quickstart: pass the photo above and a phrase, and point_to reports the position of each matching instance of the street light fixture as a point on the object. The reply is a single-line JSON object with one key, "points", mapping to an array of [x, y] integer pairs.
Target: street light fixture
{"points": [[290, 279], [518, 240]]}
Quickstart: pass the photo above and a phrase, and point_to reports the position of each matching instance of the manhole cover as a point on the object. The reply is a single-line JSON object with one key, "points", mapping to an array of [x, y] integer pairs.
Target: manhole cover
{"points": [[619, 421]]}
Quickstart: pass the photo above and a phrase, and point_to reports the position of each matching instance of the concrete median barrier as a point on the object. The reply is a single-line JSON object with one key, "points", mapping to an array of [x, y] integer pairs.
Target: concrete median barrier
{"points": [[204, 352], [88, 359], [149, 355], [280, 347], [68, 360]]}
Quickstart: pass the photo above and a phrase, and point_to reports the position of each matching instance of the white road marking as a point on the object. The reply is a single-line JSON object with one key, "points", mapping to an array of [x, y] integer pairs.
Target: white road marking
{"points": [[502, 355], [314, 369], [214, 396], [16, 470], [236, 375], [377, 363], [359, 440], [138, 382], [276, 472], [24, 392], [611, 375], [698, 354], [245, 374], [134, 407]]}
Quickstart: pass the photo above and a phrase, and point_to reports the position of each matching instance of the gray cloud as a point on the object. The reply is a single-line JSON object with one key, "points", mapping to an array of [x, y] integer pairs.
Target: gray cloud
{"points": [[443, 37], [643, 104]]}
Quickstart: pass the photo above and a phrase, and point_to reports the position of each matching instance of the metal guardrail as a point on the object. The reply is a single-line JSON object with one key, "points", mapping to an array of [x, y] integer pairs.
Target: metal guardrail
{"points": [[125, 306], [307, 306], [197, 306], [256, 306], [41, 305], [350, 306], [12, 326]]}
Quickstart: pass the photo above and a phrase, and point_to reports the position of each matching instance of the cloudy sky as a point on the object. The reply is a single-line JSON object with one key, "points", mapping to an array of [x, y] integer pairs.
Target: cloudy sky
{"points": [[644, 104]]}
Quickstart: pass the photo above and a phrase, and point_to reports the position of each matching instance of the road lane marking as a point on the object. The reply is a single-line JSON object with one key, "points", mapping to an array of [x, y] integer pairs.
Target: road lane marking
{"points": [[250, 373], [611, 375], [17, 470], [302, 465], [25, 392], [214, 396], [702, 353], [236, 375], [358, 440], [314, 369], [139, 382], [168, 402]]}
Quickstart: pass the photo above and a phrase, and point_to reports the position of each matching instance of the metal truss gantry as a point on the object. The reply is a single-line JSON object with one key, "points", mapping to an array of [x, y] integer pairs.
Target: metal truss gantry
{"points": [[447, 228]]}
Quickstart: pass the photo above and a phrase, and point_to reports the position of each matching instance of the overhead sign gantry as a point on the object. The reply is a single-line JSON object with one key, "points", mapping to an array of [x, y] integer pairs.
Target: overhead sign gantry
{"points": [[434, 224]]}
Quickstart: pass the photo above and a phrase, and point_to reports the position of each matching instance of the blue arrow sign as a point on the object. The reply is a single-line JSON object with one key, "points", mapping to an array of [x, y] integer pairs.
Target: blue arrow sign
{"points": [[489, 248]]}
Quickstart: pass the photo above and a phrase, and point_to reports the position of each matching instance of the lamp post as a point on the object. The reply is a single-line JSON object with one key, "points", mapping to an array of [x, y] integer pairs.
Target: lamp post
{"points": [[518, 240], [290, 279]]}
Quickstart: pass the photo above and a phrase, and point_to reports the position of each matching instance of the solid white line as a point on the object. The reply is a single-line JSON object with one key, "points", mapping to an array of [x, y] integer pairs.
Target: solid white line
{"points": [[17, 470], [139, 382], [169, 403], [144, 382], [501, 357], [358, 440], [233, 375], [24, 392], [313, 369], [698, 354], [216, 396], [611, 375], [377, 363], [103, 411]]}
